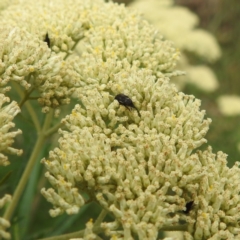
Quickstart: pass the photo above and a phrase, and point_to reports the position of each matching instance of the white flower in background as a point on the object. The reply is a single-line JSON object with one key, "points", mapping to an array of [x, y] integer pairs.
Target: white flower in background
{"points": [[181, 30], [4, 224], [229, 105], [203, 77], [7, 113], [199, 75], [203, 44]]}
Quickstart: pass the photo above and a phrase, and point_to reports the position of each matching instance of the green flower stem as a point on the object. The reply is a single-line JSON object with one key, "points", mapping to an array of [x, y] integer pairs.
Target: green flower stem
{"points": [[28, 106], [33, 116], [53, 129], [34, 157], [26, 97], [101, 217], [96, 230]]}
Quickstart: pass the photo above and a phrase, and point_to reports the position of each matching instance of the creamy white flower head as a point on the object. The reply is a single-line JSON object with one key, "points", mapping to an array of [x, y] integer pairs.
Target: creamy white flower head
{"points": [[229, 105], [216, 202], [64, 21], [180, 28], [105, 28], [113, 39], [4, 224], [7, 113], [28, 61], [130, 163]]}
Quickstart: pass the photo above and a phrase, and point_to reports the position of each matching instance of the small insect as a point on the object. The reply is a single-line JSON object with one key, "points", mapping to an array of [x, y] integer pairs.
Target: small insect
{"points": [[126, 102], [188, 207], [47, 40]]}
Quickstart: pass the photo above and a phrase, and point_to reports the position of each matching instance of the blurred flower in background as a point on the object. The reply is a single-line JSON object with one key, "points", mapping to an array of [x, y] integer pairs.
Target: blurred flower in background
{"points": [[181, 29]]}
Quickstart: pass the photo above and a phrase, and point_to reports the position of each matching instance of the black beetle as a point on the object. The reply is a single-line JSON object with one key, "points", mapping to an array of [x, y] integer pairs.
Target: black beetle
{"points": [[188, 206], [126, 102]]}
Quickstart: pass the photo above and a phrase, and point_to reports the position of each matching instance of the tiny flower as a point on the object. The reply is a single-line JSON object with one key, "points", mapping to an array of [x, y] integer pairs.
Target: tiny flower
{"points": [[88, 232]]}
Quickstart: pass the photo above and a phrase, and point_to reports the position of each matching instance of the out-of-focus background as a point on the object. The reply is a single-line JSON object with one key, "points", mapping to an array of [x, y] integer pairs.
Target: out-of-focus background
{"points": [[207, 33]]}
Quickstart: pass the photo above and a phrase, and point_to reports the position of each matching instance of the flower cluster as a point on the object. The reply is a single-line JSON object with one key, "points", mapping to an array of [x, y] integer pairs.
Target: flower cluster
{"points": [[35, 66], [143, 169], [7, 113], [215, 212], [186, 37], [143, 166], [181, 28], [28, 61], [137, 167], [64, 22]]}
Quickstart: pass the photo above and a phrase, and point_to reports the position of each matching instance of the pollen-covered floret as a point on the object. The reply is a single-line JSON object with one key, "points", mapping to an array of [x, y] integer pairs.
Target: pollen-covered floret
{"points": [[88, 232]]}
